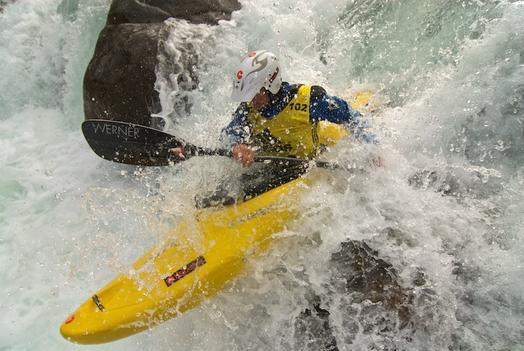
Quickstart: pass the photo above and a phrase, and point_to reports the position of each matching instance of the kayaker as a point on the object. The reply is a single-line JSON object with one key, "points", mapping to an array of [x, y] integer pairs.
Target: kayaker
{"points": [[281, 119], [278, 118]]}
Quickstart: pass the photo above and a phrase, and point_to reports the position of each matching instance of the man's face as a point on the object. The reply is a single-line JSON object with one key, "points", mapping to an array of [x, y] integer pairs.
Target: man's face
{"points": [[260, 100]]}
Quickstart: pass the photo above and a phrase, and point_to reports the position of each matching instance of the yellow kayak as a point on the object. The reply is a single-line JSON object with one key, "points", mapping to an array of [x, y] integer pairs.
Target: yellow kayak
{"points": [[197, 259], [205, 254]]}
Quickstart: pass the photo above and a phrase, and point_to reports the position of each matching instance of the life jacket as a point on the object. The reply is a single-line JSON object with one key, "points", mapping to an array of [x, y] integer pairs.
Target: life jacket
{"points": [[291, 133]]}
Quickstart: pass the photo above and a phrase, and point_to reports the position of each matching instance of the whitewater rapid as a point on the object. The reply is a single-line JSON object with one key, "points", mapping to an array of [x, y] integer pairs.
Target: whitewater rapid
{"points": [[449, 202]]}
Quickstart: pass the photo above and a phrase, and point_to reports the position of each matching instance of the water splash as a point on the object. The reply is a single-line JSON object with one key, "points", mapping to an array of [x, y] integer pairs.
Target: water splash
{"points": [[445, 212]]}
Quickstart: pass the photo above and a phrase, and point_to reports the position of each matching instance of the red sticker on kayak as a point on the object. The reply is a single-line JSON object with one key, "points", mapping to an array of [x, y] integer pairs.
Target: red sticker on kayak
{"points": [[69, 319], [182, 272], [240, 74]]}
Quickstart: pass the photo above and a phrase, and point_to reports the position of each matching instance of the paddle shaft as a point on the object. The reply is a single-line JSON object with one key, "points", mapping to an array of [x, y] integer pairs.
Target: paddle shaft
{"points": [[139, 145]]}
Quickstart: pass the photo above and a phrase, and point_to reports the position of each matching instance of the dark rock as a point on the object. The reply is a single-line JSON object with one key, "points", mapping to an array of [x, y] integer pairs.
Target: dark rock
{"points": [[154, 11], [367, 277], [368, 295], [313, 330], [119, 83], [4, 3], [419, 278]]}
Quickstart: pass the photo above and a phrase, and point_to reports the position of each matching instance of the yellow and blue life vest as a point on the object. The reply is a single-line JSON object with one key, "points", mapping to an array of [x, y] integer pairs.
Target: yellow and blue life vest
{"points": [[291, 132]]}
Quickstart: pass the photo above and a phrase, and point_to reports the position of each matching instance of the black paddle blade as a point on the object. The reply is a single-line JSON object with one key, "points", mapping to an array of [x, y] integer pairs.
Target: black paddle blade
{"points": [[129, 143]]}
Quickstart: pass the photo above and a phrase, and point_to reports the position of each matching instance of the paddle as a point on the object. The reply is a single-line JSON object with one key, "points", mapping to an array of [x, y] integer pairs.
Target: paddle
{"points": [[139, 145]]}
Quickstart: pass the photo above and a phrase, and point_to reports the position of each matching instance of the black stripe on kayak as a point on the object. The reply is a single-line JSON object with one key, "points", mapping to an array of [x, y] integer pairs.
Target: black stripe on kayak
{"points": [[98, 304]]}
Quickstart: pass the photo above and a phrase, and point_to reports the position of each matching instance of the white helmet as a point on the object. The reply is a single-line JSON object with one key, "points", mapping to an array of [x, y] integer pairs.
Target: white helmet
{"points": [[260, 69]]}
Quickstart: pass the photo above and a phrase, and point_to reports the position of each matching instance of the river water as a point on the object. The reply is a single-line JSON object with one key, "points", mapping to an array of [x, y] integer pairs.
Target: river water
{"points": [[447, 205]]}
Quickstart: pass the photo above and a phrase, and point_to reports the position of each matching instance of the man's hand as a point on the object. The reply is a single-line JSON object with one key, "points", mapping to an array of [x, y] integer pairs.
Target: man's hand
{"points": [[177, 154], [243, 154]]}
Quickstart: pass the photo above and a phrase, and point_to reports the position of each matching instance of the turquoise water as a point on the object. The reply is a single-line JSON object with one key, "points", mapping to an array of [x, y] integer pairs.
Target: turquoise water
{"points": [[450, 117]]}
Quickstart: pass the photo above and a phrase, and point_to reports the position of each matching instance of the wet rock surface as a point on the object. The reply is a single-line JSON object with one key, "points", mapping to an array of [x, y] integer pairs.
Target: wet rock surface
{"points": [[119, 83], [360, 272], [373, 301], [154, 11], [4, 3]]}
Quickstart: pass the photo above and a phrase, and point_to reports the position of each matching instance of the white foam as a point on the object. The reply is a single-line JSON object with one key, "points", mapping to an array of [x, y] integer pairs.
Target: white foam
{"points": [[69, 221]]}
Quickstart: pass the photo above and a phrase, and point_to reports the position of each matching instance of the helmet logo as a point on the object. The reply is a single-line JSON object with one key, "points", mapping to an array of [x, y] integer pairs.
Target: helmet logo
{"points": [[240, 74], [262, 63], [259, 61]]}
